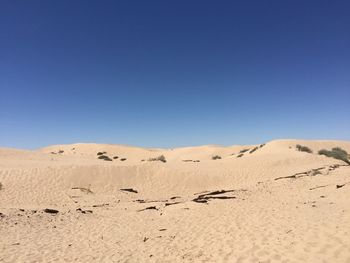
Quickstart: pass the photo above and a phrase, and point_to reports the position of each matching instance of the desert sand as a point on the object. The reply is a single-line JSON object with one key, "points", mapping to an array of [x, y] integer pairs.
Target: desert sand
{"points": [[273, 204]]}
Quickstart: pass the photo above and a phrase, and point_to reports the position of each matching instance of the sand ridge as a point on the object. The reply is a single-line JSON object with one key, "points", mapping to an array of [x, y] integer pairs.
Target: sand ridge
{"points": [[190, 208]]}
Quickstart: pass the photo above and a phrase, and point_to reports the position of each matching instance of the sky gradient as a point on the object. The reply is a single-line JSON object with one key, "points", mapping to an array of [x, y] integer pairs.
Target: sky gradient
{"points": [[173, 73]]}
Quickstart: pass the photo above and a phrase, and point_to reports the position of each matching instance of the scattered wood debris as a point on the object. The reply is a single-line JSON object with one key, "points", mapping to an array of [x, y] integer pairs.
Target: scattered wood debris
{"points": [[50, 211], [312, 172], [149, 208], [83, 189], [141, 201], [316, 187], [175, 203], [204, 198], [129, 190], [84, 211], [102, 205]]}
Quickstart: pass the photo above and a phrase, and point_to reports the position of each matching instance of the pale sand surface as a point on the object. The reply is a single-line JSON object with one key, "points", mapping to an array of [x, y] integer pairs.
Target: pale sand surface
{"points": [[268, 220]]}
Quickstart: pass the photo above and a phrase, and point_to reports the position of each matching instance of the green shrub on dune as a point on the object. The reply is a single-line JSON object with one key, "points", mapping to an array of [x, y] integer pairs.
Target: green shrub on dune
{"points": [[302, 148], [336, 153], [216, 157]]}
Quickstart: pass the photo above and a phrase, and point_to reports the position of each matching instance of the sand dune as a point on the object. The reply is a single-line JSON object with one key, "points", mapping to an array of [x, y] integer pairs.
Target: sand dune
{"points": [[173, 211]]}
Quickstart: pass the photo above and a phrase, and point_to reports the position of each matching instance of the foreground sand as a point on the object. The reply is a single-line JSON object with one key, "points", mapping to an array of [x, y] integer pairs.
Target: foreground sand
{"points": [[301, 219]]}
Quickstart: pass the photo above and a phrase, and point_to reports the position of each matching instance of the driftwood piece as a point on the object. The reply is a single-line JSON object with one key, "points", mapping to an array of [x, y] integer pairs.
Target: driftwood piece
{"points": [[148, 208], [84, 211], [141, 201], [50, 211], [218, 192], [129, 190], [285, 177], [316, 187], [174, 203], [83, 189], [312, 172], [102, 205], [204, 198]]}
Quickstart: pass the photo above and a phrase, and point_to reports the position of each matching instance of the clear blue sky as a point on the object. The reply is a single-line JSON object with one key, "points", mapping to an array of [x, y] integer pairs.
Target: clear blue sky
{"points": [[173, 73]]}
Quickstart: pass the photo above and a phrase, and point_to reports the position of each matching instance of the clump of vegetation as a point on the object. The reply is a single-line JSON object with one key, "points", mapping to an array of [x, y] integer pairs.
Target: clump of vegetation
{"points": [[243, 151], [115, 157], [336, 153], [104, 157], [302, 148], [216, 157], [59, 152], [253, 150], [101, 153], [262, 145], [240, 155], [159, 158], [123, 159]]}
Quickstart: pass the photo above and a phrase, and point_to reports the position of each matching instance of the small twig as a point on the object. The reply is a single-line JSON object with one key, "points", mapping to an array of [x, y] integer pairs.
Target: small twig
{"points": [[175, 203], [129, 190], [148, 208], [83, 189], [321, 186], [285, 177]]}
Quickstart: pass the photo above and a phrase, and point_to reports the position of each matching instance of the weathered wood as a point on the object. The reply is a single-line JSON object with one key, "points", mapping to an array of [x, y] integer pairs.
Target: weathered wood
{"points": [[148, 208], [129, 190]]}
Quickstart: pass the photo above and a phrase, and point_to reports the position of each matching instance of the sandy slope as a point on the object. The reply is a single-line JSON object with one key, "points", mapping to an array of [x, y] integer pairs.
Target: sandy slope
{"points": [[302, 219]]}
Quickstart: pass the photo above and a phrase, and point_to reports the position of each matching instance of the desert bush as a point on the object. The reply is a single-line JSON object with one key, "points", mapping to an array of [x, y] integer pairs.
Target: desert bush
{"points": [[253, 150], [262, 145], [302, 148], [123, 159], [243, 151], [336, 153], [101, 153], [216, 157], [159, 158], [104, 157], [240, 155], [115, 157]]}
